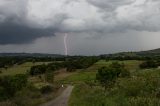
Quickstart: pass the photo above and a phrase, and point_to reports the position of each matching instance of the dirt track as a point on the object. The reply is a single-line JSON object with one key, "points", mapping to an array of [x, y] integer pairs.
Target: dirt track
{"points": [[61, 100]]}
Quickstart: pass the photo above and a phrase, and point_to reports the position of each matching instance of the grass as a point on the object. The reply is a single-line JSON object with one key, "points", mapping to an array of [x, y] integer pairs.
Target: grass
{"points": [[90, 73], [83, 94], [79, 77], [129, 64], [19, 69], [141, 89]]}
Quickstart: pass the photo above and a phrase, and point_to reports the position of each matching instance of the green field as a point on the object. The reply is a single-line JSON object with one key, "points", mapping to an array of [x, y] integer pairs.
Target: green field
{"points": [[129, 64], [90, 73], [79, 77], [141, 89], [19, 69]]}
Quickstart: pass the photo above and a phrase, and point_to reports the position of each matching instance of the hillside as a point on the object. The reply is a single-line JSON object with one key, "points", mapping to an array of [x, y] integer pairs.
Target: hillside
{"points": [[30, 55], [150, 52]]}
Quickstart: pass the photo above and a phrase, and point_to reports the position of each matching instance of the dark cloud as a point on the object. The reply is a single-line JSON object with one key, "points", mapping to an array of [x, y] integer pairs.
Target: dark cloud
{"points": [[23, 21], [11, 33]]}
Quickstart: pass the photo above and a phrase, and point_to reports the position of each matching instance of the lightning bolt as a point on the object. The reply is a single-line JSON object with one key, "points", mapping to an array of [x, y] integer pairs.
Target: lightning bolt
{"points": [[65, 44]]}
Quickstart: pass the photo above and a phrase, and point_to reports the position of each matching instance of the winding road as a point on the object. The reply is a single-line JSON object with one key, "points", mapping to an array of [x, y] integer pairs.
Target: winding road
{"points": [[61, 100]]}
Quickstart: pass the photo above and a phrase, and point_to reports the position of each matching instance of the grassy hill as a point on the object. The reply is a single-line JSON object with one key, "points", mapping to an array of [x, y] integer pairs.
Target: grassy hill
{"points": [[150, 52]]}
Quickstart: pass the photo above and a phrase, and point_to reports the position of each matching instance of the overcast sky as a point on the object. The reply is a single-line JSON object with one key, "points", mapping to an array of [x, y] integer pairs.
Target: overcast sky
{"points": [[93, 26]]}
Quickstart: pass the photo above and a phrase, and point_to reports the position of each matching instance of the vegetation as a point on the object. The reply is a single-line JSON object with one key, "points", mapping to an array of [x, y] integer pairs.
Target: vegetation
{"points": [[140, 89], [9, 85], [31, 81], [149, 64], [19, 69], [80, 63]]}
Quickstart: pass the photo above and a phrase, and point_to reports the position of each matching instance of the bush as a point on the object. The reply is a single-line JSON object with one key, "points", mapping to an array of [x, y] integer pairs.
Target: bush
{"points": [[7, 103], [49, 77], [148, 64], [9, 85], [80, 63], [125, 73], [26, 96], [106, 76], [39, 69], [46, 89]]}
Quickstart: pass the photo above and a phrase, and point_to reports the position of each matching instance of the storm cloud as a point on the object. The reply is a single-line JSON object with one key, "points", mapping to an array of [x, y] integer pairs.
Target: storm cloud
{"points": [[24, 21]]}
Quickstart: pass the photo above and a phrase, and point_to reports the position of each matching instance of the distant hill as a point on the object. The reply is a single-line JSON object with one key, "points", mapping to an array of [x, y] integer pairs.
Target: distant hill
{"points": [[150, 52], [154, 52], [30, 55]]}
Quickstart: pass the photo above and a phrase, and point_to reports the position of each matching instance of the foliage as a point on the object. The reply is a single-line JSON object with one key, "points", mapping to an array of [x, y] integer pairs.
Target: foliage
{"points": [[42, 69], [9, 85], [142, 89], [148, 64], [80, 63], [46, 89], [49, 77], [39, 69], [106, 76]]}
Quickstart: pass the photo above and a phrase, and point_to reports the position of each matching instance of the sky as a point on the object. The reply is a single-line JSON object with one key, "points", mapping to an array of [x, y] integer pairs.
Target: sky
{"points": [[93, 26]]}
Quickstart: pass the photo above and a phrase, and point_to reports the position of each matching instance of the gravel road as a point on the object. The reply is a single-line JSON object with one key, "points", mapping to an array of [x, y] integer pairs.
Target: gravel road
{"points": [[61, 100]]}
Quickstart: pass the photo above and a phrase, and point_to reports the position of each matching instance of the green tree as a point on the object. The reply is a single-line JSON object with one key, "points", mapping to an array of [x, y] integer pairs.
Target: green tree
{"points": [[107, 76], [49, 75], [9, 85]]}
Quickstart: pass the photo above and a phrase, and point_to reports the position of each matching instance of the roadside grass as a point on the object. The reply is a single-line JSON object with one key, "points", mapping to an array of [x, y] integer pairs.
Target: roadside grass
{"points": [[83, 95], [141, 89], [19, 69]]}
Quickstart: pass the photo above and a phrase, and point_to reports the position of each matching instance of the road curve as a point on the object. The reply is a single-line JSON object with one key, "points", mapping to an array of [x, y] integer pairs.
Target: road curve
{"points": [[61, 100]]}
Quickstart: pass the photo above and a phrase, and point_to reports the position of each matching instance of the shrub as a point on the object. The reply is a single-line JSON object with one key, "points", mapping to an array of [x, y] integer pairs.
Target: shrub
{"points": [[125, 73], [39, 69], [49, 77], [106, 76], [26, 96], [148, 64], [46, 89], [7, 103], [9, 85]]}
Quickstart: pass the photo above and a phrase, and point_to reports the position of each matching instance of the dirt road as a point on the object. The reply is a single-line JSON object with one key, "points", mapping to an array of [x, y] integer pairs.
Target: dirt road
{"points": [[62, 100]]}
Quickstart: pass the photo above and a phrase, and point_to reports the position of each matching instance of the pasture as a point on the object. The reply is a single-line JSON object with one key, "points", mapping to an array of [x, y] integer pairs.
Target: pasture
{"points": [[19, 69], [141, 89]]}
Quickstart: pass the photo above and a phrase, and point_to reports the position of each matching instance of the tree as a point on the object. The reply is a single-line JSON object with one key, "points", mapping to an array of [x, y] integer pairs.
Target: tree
{"points": [[49, 75], [9, 85], [148, 64], [106, 76]]}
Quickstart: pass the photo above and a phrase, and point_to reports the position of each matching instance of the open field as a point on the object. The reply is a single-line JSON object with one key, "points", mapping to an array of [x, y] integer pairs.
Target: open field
{"points": [[19, 69], [129, 64], [136, 90], [89, 74]]}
